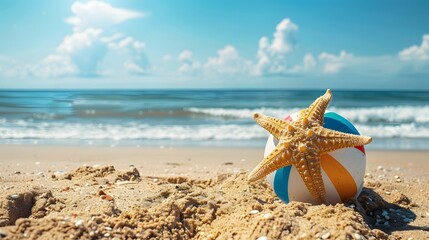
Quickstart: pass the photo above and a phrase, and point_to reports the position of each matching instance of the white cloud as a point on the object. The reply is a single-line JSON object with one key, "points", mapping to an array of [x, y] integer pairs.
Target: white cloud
{"points": [[188, 65], [284, 39], [78, 54], [98, 14], [416, 53], [56, 65], [185, 55], [228, 62], [332, 63], [6, 59], [79, 40], [271, 56], [137, 61], [130, 43], [82, 52], [10, 67], [374, 66], [112, 38], [136, 68], [308, 63], [167, 57]]}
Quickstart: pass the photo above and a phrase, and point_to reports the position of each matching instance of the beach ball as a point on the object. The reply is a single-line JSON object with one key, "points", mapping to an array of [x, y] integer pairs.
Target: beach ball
{"points": [[343, 170]]}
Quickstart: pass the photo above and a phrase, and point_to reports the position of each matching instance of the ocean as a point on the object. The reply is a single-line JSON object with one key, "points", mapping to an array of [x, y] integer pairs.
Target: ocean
{"points": [[395, 119]]}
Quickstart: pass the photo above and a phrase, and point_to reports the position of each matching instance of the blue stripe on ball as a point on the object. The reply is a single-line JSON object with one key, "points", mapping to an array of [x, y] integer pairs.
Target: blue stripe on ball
{"points": [[281, 182], [338, 123]]}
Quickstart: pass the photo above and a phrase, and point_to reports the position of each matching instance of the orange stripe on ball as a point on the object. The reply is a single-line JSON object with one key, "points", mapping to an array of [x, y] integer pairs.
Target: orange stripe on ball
{"points": [[339, 176]]}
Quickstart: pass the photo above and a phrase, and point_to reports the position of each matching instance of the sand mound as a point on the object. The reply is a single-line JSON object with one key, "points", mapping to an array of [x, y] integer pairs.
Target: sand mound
{"points": [[88, 172]]}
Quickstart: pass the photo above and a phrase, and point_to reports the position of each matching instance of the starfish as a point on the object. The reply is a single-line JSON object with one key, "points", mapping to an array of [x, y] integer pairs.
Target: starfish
{"points": [[301, 143]]}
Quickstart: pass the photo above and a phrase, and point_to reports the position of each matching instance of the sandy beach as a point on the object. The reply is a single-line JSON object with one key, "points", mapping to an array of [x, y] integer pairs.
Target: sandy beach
{"points": [[66, 192]]}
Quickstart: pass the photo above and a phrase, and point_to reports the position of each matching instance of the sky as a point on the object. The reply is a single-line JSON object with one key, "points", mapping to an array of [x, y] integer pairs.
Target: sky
{"points": [[149, 44]]}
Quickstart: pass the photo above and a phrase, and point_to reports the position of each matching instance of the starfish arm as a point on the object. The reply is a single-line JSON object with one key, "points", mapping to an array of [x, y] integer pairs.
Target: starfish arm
{"points": [[278, 158], [330, 140], [273, 125], [316, 111], [308, 166]]}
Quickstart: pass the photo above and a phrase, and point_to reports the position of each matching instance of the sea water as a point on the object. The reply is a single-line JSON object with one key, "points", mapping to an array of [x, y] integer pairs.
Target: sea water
{"points": [[395, 119]]}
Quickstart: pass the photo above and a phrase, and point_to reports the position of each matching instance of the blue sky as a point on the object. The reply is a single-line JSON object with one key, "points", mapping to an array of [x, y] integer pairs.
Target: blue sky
{"points": [[214, 44]]}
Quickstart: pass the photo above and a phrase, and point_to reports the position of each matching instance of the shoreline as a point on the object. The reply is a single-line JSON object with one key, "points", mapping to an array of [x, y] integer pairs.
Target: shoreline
{"points": [[175, 160], [378, 144]]}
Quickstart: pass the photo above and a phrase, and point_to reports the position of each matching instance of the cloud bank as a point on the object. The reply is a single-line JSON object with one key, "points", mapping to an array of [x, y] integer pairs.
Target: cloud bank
{"points": [[93, 41], [82, 52], [272, 59]]}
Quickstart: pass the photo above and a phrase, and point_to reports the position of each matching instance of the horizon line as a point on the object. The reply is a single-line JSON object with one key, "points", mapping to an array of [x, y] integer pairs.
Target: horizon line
{"points": [[212, 89]]}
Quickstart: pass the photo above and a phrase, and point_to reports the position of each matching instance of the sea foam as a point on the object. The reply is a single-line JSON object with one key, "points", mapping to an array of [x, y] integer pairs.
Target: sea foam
{"points": [[386, 114], [55, 130]]}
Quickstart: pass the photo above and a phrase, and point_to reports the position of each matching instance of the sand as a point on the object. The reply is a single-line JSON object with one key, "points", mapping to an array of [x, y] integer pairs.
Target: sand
{"points": [[62, 192]]}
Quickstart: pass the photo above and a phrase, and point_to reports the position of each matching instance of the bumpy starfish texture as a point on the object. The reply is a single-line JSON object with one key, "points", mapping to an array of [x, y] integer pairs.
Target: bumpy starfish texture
{"points": [[301, 143]]}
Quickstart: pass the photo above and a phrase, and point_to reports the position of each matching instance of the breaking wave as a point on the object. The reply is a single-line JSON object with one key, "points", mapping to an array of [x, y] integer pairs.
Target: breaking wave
{"points": [[134, 131], [387, 114]]}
